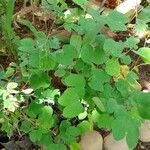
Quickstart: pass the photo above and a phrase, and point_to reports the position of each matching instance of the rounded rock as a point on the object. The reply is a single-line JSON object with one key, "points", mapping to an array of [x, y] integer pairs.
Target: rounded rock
{"points": [[91, 141], [111, 144]]}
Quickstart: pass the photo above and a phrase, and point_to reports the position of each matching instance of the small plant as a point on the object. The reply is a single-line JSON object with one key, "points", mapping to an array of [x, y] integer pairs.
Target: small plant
{"points": [[84, 78]]}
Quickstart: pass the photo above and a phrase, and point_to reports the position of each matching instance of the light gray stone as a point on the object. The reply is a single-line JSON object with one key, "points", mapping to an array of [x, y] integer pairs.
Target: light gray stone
{"points": [[91, 141], [145, 131], [111, 144]]}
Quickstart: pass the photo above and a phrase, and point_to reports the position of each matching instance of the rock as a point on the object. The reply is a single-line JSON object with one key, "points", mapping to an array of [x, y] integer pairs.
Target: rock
{"points": [[91, 141], [111, 144], [145, 131]]}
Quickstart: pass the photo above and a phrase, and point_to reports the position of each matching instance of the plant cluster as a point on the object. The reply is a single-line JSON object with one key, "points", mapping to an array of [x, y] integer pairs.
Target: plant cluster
{"points": [[65, 86]]}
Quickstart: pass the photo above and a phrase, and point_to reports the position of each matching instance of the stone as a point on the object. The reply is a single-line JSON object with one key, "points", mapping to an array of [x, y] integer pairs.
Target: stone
{"points": [[145, 131], [91, 141], [111, 144]]}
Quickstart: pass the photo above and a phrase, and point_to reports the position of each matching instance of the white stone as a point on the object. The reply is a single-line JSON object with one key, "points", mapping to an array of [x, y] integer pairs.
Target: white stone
{"points": [[91, 141], [145, 131], [111, 144]]}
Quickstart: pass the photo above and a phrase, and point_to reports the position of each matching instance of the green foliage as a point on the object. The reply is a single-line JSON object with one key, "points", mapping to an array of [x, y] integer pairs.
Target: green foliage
{"points": [[63, 88]]}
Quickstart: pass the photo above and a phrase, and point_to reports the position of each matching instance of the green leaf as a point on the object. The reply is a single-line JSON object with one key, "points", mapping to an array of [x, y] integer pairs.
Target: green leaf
{"points": [[99, 77], [119, 128], [114, 50], [68, 97], [73, 110], [33, 110], [81, 3], [99, 104], [144, 53], [73, 131], [35, 135], [46, 61], [40, 80], [99, 56], [57, 147], [132, 134], [117, 24], [103, 120], [66, 55], [112, 67], [126, 59], [84, 126], [45, 118], [87, 54], [26, 126], [131, 42], [76, 42], [46, 140], [75, 80]]}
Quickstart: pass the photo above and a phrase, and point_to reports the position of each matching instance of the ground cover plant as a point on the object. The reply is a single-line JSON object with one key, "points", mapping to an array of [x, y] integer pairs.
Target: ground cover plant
{"points": [[75, 76]]}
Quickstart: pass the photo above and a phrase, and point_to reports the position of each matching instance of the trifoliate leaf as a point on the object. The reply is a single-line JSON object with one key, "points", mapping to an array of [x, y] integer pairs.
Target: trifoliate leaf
{"points": [[112, 67], [114, 50], [144, 53]]}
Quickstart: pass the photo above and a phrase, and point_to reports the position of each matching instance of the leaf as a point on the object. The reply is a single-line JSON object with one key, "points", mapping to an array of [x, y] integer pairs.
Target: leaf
{"points": [[84, 126], [76, 42], [68, 97], [131, 42], [35, 135], [114, 50], [99, 56], [117, 24], [119, 128], [144, 52], [81, 3], [103, 120], [99, 77], [26, 126], [112, 67], [73, 110], [73, 131], [40, 80], [87, 54], [75, 80], [99, 104], [66, 55], [45, 117], [132, 134], [57, 147]]}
